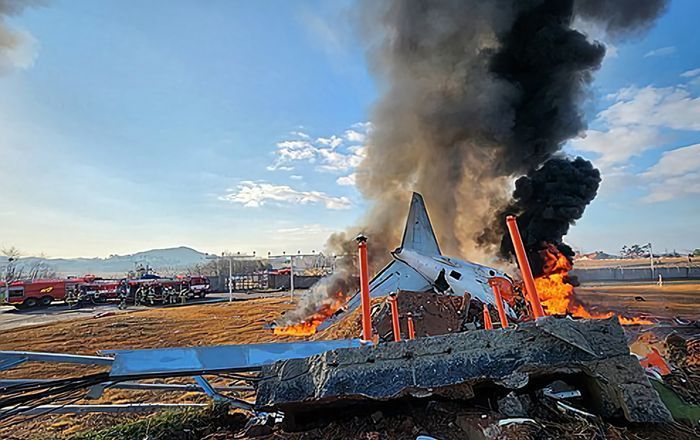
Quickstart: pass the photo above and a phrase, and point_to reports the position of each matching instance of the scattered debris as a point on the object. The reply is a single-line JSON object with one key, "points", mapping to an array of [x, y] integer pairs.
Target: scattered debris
{"points": [[517, 421], [656, 362], [513, 405]]}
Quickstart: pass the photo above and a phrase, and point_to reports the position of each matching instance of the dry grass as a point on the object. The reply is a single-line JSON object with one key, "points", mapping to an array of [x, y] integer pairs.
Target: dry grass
{"points": [[224, 323]]}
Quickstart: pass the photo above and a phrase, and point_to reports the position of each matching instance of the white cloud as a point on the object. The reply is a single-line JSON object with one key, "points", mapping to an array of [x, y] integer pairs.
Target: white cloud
{"points": [[355, 136], [617, 144], [676, 174], [333, 153], [691, 73], [276, 167], [676, 162], [363, 126], [661, 52], [335, 161], [633, 124], [296, 177], [332, 142], [256, 194], [672, 107], [293, 150], [300, 134], [348, 180]]}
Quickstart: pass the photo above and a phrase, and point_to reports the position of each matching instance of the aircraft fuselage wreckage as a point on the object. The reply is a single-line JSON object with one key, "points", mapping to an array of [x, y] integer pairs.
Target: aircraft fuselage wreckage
{"points": [[419, 266]]}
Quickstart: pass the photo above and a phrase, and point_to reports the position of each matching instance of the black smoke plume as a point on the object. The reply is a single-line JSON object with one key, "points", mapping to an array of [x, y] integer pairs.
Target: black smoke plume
{"points": [[476, 94], [547, 201]]}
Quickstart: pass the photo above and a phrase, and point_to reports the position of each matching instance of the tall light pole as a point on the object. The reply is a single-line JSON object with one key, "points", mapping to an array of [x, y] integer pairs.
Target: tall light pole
{"points": [[651, 261], [230, 278], [7, 278], [291, 276]]}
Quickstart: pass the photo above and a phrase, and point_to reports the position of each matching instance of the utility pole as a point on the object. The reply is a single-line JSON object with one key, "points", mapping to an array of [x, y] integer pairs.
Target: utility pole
{"points": [[651, 260], [7, 278], [230, 276], [291, 276]]}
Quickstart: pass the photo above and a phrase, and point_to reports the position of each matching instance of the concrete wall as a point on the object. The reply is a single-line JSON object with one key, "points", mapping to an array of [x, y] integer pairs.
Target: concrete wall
{"points": [[636, 274]]}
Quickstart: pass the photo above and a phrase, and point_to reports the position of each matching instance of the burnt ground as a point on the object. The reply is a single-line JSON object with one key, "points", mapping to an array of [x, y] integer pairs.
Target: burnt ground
{"points": [[241, 323]]}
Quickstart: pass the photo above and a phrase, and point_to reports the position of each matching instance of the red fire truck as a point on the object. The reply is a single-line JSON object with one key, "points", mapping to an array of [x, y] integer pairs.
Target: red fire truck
{"points": [[25, 294], [93, 290]]}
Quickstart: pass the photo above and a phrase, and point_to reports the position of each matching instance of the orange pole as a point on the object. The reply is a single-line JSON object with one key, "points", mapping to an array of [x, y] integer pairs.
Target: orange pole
{"points": [[499, 305], [364, 288], [393, 303], [488, 325], [525, 269], [411, 328]]}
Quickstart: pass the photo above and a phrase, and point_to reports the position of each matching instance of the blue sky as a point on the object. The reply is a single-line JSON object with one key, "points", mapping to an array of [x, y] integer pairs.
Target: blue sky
{"points": [[237, 125]]}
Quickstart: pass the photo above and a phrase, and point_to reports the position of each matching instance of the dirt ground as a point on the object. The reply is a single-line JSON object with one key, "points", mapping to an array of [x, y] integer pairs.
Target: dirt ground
{"points": [[232, 323], [629, 263], [673, 299]]}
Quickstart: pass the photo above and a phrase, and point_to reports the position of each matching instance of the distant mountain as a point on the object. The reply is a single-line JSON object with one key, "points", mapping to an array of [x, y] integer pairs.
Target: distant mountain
{"points": [[159, 259], [600, 255]]}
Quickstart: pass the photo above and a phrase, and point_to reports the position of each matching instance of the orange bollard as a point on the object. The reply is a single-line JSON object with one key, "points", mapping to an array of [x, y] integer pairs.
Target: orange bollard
{"points": [[488, 325], [499, 302], [525, 270], [364, 288], [411, 328], [393, 303]]}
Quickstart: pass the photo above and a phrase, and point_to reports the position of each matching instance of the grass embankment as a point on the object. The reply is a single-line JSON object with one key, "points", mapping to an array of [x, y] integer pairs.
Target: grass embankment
{"points": [[174, 425]]}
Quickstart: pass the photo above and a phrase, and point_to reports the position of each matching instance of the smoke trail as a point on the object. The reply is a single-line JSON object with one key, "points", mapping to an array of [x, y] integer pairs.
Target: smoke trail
{"points": [[17, 47], [475, 94], [337, 285]]}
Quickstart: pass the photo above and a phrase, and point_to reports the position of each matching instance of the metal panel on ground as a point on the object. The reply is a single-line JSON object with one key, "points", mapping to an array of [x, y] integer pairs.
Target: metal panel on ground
{"points": [[203, 360]]}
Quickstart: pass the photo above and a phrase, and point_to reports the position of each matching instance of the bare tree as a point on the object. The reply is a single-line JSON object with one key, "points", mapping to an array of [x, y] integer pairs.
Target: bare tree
{"points": [[12, 271], [17, 270]]}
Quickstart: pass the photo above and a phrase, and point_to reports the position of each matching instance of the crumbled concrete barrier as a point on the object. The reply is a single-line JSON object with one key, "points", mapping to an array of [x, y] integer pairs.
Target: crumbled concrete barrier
{"points": [[591, 352]]}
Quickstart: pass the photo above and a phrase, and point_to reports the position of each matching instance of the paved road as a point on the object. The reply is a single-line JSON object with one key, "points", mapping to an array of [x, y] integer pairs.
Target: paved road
{"points": [[11, 318]]}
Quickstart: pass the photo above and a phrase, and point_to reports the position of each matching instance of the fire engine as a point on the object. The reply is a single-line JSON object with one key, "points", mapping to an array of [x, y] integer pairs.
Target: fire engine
{"points": [[26, 294], [149, 290]]}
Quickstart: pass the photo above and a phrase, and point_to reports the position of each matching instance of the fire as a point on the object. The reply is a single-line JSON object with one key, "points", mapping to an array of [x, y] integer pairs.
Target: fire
{"points": [[557, 294], [308, 326]]}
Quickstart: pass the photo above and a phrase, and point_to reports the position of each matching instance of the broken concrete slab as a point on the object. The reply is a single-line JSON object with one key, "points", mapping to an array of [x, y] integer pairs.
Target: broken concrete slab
{"points": [[453, 366]]}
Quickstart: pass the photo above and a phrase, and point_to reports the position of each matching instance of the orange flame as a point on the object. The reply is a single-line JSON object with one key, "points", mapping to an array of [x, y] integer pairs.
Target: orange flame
{"points": [[557, 294], [308, 326]]}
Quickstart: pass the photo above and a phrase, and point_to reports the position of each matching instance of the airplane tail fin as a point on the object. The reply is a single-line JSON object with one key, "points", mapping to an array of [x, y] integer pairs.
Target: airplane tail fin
{"points": [[419, 234]]}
